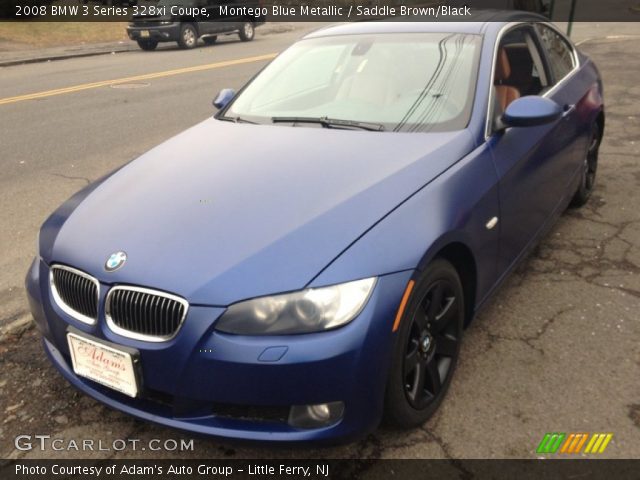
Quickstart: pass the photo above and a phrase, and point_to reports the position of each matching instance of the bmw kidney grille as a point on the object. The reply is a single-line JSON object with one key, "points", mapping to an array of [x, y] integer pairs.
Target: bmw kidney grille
{"points": [[133, 312], [75, 292], [144, 314]]}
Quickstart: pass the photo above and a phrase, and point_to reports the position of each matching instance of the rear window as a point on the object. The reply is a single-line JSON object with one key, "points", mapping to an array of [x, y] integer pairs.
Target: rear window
{"points": [[559, 52]]}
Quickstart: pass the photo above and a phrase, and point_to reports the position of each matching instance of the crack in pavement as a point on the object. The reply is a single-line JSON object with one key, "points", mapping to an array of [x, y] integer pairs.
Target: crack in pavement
{"points": [[526, 339], [69, 177], [446, 450]]}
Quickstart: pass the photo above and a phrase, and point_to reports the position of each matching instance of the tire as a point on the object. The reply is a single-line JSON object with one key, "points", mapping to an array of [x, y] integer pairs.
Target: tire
{"points": [[147, 45], [188, 36], [590, 167], [427, 347], [247, 32], [210, 40]]}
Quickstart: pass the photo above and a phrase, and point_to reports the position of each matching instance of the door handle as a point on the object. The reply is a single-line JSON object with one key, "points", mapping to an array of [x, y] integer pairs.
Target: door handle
{"points": [[568, 109]]}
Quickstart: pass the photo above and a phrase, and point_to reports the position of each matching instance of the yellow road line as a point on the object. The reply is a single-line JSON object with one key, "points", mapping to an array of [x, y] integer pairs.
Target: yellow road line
{"points": [[136, 78]]}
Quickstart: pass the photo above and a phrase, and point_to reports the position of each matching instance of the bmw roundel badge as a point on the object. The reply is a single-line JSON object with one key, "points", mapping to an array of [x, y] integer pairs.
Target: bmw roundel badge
{"points": [[115, 261]]}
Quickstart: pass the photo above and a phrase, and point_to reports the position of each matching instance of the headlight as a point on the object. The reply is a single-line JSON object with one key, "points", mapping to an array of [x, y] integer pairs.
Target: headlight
{"points": [[311, 310]]}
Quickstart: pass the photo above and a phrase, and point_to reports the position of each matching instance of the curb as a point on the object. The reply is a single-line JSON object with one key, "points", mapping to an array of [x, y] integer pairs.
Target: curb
{"points": [[16, 328], [51, 58]]}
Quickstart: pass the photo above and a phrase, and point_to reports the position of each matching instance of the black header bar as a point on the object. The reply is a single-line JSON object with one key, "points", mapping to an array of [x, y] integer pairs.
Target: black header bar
{"points": [[318, 11]]}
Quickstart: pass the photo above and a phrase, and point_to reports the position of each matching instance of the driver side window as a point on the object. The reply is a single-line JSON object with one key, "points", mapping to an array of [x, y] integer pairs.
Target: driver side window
{"points": [[519, 70]]}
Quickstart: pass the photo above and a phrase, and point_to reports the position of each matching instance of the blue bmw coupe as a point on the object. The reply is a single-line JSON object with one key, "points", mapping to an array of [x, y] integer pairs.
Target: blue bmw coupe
{"points": [[304, 263]]}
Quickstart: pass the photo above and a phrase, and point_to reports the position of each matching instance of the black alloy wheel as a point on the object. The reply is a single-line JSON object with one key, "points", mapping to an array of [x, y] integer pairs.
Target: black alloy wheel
{"points": [[428, 346]]}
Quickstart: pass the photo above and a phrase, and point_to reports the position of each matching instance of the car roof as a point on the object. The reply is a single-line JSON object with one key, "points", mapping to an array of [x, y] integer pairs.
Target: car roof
{"points": [[476, 24]]}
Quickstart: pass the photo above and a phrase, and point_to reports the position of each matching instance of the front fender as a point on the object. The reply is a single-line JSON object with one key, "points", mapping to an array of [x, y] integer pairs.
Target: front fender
{"points": [[453, 208]]}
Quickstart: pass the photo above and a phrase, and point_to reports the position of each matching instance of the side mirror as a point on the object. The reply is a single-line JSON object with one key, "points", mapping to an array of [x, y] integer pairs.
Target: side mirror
{"points": [[223, 98], [530, 111]]}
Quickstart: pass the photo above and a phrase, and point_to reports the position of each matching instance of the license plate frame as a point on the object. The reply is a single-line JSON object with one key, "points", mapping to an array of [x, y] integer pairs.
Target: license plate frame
{"points": [[113, 366]]}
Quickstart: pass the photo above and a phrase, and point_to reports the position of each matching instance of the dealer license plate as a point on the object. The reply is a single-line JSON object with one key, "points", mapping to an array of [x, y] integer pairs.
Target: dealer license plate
{"points": [[101, 363]]}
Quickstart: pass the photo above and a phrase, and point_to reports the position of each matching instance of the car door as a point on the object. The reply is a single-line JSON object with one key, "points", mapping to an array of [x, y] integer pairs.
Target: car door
{"points": [[529, 160], [569, 92]]}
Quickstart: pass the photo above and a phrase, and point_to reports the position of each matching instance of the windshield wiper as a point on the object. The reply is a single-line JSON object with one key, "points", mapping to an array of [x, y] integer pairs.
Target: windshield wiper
{"points": [[331, 123], [237, 120]]}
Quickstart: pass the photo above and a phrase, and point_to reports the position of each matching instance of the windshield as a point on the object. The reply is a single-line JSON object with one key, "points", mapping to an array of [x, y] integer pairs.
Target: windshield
{"points": [[414, 82]]}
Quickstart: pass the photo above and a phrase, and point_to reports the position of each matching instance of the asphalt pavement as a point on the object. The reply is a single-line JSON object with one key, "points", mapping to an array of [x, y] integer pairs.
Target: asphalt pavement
{"points": [[556, 351]]}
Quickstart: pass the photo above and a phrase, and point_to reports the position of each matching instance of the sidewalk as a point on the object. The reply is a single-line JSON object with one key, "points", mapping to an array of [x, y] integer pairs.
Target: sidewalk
{"points": [[586, 31], [12, 54], [32, 55]]}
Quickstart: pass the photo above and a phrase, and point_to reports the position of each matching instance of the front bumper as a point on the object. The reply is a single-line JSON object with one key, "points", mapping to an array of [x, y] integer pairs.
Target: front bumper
{"points": [[161, 33], [186, 379]]}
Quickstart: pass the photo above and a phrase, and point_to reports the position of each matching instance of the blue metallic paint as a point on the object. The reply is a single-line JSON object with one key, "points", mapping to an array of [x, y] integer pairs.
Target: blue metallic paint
{"points": [[216, 219], [214, 202]]}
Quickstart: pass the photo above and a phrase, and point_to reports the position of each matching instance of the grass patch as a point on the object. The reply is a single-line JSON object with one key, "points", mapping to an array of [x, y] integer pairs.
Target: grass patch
{"points": [[51, 34]]}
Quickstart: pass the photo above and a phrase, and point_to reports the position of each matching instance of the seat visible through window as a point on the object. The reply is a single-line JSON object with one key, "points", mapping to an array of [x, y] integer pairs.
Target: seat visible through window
{"points": [[519, 70], [504, 93]]}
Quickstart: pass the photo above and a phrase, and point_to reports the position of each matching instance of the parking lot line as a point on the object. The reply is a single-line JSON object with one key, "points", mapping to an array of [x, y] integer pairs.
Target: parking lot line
{"points": [[136, 78]]}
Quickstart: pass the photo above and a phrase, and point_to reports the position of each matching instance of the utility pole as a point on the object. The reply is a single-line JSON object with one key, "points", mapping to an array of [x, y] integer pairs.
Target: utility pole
{"points": [[572, 13]]}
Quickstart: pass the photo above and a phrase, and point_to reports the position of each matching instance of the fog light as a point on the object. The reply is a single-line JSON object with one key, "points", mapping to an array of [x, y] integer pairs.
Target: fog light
{"points": [[315, 416]]}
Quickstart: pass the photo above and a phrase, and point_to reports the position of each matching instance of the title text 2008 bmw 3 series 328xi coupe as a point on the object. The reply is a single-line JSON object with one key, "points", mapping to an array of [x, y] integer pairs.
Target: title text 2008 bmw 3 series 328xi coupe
{"points": [[303, 264]]}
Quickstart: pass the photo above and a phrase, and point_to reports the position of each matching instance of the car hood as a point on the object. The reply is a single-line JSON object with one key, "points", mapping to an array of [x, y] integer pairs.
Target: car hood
{"points": [[224, 212]]}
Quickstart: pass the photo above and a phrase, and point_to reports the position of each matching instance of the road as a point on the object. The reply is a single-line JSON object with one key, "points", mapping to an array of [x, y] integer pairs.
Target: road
{"points": [[557, 350], [53, 145]]}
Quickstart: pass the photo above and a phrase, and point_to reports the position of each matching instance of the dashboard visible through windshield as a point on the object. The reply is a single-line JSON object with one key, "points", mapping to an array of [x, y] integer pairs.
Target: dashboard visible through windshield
{"points": [[405, 82]]}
